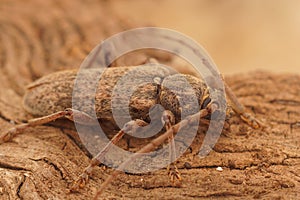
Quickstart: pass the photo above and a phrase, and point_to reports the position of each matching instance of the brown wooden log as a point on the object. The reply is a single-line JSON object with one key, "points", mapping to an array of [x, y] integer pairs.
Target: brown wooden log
{"points": [[43, 162]]}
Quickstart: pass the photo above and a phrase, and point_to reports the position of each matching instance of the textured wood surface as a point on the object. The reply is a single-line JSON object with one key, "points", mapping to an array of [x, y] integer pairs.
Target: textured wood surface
{"points": [[43, 162]]}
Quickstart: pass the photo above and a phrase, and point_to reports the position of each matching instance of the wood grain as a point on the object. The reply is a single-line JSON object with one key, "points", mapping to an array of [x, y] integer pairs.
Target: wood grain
{"points": [[43, 162]]}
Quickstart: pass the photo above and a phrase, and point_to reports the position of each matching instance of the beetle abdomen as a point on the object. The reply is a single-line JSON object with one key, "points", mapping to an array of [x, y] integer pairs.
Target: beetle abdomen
{"points": [[50, 93]]}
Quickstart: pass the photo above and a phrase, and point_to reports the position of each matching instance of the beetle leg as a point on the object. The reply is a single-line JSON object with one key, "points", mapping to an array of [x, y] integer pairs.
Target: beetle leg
{"points": [[152, 145], [240, 109], [130, 126], [67, 113], [169, 120]]}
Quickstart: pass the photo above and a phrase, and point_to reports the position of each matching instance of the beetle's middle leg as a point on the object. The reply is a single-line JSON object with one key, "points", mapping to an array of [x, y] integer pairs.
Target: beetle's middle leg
{"points": [[130, 126]]}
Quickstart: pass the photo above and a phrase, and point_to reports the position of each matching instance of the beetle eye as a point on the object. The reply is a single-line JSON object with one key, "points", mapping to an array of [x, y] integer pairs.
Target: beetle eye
{"points": [[205, 103]]}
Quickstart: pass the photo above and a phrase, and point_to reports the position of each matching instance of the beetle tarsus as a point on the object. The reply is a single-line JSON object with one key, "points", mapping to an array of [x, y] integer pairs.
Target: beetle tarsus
{"points": [[174, 174], [251, 121], [11, 133], [80, 182]]}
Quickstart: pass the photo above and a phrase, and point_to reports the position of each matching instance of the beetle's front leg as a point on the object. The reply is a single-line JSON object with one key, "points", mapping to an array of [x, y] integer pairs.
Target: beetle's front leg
{"points": [[240, 109], [67, 113], [169, 120], [131, 126]]}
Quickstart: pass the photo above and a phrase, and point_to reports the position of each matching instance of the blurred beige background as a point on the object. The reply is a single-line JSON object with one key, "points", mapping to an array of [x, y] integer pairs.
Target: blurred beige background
{"points": [[240, 35]]}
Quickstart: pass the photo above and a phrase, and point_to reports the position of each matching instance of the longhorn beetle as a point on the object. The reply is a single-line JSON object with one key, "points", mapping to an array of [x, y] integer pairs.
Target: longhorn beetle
{"points": [[50, 97]]}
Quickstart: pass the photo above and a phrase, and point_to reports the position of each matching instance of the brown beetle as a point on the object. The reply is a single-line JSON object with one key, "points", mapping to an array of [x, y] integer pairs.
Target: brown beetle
{"points": [[51, 98]]}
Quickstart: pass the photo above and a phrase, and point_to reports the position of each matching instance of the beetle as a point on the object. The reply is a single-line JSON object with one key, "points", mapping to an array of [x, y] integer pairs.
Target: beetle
{"points": [[50, 98]]}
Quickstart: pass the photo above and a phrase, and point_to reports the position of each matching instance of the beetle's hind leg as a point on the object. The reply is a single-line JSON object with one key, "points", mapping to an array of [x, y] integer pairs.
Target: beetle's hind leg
{"points": [[67, 113]]}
